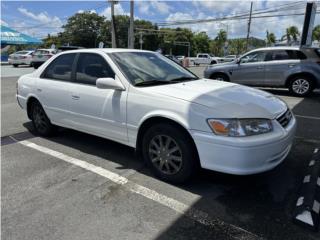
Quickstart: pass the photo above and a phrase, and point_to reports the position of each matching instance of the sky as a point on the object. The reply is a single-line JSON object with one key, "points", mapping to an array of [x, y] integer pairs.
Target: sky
{"points": [[38, 18]]}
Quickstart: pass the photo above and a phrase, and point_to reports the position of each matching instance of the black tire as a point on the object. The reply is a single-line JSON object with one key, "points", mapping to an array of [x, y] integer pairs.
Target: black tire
{"points": [[301, 86], [186, 152], [213, 62], [15, 65], [35, 66], [40, 121], [219, 77]]}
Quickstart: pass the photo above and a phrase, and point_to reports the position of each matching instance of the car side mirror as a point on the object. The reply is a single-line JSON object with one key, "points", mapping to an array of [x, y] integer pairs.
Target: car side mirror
{"points": [[238, 60], [109, 83]]}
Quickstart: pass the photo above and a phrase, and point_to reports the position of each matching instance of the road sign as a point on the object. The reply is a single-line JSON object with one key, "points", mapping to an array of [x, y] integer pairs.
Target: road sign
{"points": [[101, 44]]}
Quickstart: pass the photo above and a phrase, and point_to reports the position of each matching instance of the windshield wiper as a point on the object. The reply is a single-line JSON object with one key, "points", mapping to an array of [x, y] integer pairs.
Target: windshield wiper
{"points": [[152, 82], [181, 79]]}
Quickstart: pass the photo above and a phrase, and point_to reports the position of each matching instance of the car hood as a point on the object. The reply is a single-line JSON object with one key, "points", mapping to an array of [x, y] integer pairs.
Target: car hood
{"points": [[226, 99]]}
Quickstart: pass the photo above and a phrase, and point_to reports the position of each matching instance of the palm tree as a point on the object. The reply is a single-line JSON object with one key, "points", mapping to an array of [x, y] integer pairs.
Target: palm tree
{"points": [[292, 33], [221, 36], [271, 38]]}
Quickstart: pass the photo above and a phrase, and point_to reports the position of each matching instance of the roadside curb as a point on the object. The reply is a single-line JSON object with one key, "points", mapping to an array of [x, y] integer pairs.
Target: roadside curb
{"points": [[307, 209]]}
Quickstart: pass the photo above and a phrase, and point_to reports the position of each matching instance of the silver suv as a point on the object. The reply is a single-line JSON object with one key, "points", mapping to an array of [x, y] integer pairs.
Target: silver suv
{"points": [[296, 68]]}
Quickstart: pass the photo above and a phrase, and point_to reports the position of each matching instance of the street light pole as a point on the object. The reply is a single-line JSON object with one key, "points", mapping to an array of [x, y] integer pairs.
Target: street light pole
{"points": [[131, 28]]}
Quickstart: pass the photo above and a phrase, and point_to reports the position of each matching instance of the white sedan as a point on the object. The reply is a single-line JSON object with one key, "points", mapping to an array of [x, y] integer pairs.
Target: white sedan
{"points": [[20, 58], [175, 120]]}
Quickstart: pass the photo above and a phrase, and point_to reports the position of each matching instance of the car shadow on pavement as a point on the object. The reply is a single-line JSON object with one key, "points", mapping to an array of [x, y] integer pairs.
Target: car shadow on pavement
{"points": [[262, 204]]}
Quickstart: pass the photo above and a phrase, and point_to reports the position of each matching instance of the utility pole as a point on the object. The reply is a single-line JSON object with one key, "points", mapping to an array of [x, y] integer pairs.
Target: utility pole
{"points": [[113, 30], [249, 24], [140, 40], [131, 28]]}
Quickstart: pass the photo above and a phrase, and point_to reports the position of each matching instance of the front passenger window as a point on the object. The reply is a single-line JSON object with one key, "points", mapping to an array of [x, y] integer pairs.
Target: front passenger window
{"points": [[92, 66], [253, 57]]}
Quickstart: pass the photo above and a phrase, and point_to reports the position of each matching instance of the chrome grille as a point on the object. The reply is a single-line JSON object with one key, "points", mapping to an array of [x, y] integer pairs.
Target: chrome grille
{"points": [[285, 118]]}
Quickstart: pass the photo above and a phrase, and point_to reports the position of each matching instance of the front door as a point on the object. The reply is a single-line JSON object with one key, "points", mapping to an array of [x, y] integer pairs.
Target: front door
{"points": [[97, 111], [250, 70]]}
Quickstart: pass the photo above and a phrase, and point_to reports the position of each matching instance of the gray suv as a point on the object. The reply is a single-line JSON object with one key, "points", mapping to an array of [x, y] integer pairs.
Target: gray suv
{"points": [[296, 68]]}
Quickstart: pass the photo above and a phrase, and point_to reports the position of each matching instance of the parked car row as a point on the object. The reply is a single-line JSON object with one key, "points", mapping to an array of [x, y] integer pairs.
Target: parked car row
{"points": [[175, 121], [35, 58]]}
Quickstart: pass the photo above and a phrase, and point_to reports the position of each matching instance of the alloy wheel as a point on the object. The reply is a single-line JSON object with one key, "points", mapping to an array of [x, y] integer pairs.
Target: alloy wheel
{"points": [[300, 86], [165, 154]]}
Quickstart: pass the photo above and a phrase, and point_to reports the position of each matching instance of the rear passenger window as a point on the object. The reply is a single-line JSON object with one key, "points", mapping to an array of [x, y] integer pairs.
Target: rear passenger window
{"points": [[286, 55], [92, 66], [60, 68]]}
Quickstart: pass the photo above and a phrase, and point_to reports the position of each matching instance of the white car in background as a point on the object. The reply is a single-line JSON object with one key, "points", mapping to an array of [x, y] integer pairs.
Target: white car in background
{"points": [[205, 58], [20, 58], [175, 120], [42, 55]]}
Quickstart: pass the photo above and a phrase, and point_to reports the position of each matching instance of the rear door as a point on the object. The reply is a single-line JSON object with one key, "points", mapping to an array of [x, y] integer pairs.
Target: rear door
{"points": [[98, 111], [279, 63], [53, 88], [250, 70]]}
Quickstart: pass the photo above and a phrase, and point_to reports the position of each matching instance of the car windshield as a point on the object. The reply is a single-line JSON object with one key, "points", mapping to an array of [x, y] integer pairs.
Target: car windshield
{"points": [[143, 67]]}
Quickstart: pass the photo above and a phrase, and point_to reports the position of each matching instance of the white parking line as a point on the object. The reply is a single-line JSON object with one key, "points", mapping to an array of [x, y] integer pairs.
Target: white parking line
{"points": [[307, 117], [197, 215]]}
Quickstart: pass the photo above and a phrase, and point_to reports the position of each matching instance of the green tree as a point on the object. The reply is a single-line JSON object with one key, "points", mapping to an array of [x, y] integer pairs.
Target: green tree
{"points": [[292, 33], [83, 29], [316, 33], [201, 42], [271, 38]]}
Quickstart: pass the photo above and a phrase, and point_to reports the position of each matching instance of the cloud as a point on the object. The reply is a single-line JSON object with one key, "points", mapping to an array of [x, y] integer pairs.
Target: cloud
{"points": [[3, 23], [149, 7], [238, 28], [118, 10], [42, 17]]}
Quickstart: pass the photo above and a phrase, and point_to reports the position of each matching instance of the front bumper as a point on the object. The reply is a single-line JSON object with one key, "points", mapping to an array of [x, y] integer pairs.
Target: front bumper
{"points": [[245, 155]]}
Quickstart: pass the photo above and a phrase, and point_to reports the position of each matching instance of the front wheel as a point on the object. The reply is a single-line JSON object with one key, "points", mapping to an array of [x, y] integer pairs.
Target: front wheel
{"points": [[40, 121], [220, 77], [15, 65], [301, 86], [170, 153]]}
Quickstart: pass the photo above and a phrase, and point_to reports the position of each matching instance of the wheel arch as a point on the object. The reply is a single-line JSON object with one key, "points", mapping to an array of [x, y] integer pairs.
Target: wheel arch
{"points": [[31, 99], [308, 74], [152, 120], [220, 73]]}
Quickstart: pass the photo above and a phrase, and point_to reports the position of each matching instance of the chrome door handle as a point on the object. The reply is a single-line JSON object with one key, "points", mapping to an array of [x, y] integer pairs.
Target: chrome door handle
{"points": [[291, 65], [259, 67], [74, 97], [39, 89]]}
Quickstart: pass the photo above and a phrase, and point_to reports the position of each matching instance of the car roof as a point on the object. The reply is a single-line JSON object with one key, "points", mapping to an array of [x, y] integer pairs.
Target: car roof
{"points": [[107, 50], [283, 48]]}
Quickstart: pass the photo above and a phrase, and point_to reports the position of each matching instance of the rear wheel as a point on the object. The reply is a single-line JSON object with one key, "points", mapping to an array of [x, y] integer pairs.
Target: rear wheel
{"points": [[40, 121], [170, 153], [15, 65], [301, 86]]}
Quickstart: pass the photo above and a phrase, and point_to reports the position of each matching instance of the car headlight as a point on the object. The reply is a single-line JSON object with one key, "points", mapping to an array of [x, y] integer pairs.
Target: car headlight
{"points": [[240, 127]]}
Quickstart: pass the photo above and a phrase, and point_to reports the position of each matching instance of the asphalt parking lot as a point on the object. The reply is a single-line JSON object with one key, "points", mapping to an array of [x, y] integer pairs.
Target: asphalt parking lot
{"points": [[77, 186]]}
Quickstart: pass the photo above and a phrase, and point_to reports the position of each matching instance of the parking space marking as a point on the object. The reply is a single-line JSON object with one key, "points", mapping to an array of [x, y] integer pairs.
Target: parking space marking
{"points": [[307, 117], [197, 215]]}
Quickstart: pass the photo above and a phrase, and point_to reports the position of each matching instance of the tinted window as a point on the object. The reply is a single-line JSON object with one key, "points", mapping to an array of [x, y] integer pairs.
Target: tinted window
{"points": [[90, 67], [286, 55], [253, 57], [60, 68]]}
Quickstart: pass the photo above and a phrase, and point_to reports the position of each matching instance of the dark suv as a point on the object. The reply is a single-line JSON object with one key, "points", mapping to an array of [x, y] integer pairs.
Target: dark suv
{"points": [[296, 68]]}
